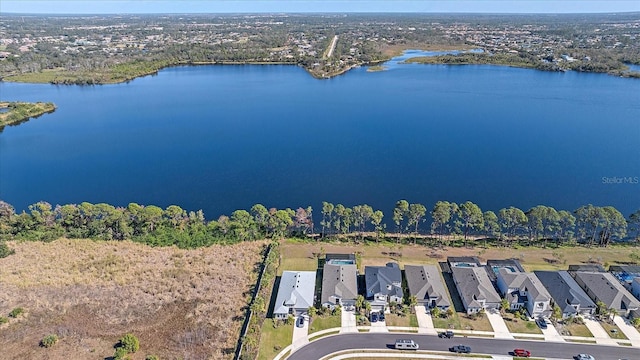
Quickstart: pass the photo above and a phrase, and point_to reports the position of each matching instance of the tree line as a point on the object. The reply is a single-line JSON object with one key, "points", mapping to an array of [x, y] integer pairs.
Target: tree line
{"points": [[150, 224]]}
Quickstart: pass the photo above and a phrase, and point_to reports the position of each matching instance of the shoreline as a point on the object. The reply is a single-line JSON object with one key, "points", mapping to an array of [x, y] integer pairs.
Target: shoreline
{"points": [[113, 76], [20, 112]]}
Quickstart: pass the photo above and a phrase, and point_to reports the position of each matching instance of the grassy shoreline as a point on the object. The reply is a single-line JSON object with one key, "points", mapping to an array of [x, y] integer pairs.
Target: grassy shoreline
{"points": [[22, 111]]}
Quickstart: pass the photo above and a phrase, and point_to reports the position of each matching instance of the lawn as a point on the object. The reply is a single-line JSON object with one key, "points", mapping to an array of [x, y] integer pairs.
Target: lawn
{"points": [[613, 330], [578, 330], [273, 340], [319, 323], [479, 323], [404, 321], [447, 323], [518, 326]]}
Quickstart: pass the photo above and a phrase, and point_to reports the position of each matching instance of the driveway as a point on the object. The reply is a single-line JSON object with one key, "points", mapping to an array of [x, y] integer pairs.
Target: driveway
{"points": [[551, 333], [600, 334], [497, 323], [632, 334], [425, 322], [348, 321], [300, 338], [379, 327]]}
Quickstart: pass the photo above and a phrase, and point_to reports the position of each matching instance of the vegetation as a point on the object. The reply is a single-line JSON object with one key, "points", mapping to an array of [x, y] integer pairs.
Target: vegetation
{"points": [[5, 250], [49, 340], [275, 336], [22, 111], [16, 312], [62, 50], [129, 343], [3, 320]]}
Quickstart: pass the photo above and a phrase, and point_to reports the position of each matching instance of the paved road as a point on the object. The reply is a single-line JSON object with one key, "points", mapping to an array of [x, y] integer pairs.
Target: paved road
{"points": [[327, 345]]}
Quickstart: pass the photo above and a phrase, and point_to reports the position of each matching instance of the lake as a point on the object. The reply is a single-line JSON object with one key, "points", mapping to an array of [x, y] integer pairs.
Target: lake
{"points": [[221, 138]]}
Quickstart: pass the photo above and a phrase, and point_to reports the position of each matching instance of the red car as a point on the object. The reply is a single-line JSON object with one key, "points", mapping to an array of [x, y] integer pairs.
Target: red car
{"points": [[521, 353]]}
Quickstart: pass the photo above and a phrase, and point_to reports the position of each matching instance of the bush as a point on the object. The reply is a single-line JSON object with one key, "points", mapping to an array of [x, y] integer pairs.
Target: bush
{"points": [[151, 357], [120, 354], [3, 320], [5, 250], [49, 340], [16, 312], [129, 343]]}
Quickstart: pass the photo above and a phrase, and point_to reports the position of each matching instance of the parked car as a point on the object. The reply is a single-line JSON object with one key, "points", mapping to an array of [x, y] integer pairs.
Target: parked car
{"points": [[374, 317], [300, 322], [381, 316], [460, 349], [521, 353], [584, 357], [542, 323], [446, 334]]}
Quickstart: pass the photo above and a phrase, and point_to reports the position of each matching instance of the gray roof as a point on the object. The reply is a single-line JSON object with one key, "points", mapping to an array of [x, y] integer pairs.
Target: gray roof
{"points": [[385, 280], [425, 282], [296, 290], [586, 267], [463, 259], [565, 291], [527, 282], [339, 280], [606, 288], [473, 284]]}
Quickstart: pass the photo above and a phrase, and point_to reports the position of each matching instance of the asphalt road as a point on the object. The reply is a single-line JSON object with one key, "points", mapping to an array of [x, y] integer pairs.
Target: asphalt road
{"points": [[327, 345]]}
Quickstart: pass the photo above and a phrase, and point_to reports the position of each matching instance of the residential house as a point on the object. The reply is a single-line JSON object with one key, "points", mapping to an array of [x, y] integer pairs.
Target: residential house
{"points": [[635, 287], [384, 285], [523, 289], [295, 293], [475, 288], [339, 281], [566, 293], [625, 274], [603, 286], [425, 283]]}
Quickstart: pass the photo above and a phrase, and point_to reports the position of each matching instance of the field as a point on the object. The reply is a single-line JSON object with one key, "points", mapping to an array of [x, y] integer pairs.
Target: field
{"points": [[302, 256], [185, 304]]}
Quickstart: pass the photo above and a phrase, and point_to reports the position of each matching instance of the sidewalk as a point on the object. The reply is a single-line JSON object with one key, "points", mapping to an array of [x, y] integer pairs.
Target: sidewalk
{"points": [[497, 323], [629, 331], [425, 322]]}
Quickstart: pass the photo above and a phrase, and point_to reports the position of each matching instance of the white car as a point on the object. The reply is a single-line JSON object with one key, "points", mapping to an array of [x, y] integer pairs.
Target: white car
{"points": [[584, 357]]}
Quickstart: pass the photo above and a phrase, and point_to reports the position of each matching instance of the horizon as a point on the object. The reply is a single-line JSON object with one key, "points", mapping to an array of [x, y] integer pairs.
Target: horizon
{"points": [[156, 7]]}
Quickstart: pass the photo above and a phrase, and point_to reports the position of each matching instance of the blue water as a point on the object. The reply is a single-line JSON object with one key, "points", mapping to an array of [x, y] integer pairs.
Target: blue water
{"points": [[221, 138]]}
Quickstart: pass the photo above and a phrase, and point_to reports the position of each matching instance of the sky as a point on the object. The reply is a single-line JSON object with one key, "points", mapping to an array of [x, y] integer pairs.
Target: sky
{"points": [[262, 6]]}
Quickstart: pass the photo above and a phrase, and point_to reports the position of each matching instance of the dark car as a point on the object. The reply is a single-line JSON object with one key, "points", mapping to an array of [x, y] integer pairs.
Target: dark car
{"points": [[446, 334], [542, 323], [521, 353], [460, 349], [381, 316], [374, 317], [300, 321]]}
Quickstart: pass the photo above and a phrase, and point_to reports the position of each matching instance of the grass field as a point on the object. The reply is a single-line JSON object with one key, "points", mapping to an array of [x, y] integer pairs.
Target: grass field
{"points": [[405, 321], [613, 330], [517, 325], [304, 254], [578, 330], [274, 339], [179, 303], [319, 323]]}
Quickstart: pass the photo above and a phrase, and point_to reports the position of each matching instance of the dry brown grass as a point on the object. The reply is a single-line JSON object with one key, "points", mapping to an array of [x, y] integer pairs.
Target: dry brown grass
{"points": [[183, 304]]}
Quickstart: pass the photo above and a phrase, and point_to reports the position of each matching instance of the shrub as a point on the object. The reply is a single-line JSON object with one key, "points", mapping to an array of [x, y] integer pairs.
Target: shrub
{"points": [[120, 354], [49, 340], [3, 320], [129, 343], [16, 312], [151, 357], [5, 250]]}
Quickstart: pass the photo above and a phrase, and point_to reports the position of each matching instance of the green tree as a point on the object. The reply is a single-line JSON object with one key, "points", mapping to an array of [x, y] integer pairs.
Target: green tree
{"points": [[415, 214], [359, 302], [442, 214], [376, 221], [557, 313], [450, 312], [566, 224], [504, 305], [511, 220], [261, 218], [491, 225], [399, 213], [243, 225], [327, 216], [312, 311], [614, 226], [633, 223], [5, 250], [471, 218], [436, 312]]}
